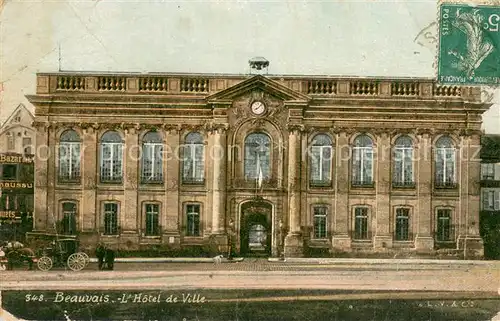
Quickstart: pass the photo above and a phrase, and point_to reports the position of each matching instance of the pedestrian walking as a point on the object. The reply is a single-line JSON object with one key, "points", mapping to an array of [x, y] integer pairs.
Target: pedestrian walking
{"points": [[100, 253], [2, 258], [110, 259]]}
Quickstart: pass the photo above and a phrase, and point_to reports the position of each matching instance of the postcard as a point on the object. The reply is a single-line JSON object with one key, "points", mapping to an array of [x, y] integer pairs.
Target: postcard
{"points": [[249, 160]]}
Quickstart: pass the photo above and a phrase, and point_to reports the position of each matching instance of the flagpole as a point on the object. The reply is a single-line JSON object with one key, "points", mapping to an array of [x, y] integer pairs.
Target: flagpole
{"points": [[257, 177]]}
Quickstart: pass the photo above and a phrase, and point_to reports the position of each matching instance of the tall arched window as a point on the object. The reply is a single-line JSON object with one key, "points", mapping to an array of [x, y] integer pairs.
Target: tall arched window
{"points": [[69, 156], [152, 163], [321, 161], [111, 157], [402, 175], [362, 161], [193, 167], [257, 156], [445, 162]]}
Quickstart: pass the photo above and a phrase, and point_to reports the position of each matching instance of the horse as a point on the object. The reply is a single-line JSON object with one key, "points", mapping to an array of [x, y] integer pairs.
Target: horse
{"points": [[18, 255]]}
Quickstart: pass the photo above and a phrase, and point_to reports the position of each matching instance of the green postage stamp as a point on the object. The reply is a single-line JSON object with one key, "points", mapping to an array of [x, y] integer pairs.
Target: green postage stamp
{"points": [[469, 44]]}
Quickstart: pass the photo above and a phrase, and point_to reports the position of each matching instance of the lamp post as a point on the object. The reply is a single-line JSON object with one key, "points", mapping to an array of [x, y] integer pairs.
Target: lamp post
{"points": [[281, 248]]}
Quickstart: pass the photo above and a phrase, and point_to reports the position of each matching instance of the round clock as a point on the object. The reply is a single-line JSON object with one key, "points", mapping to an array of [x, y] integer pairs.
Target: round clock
{"points": [[258, 107]]}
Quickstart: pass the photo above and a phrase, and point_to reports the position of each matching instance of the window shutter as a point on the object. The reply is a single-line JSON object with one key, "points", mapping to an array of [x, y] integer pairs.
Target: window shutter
{"points": [[485, 200]]}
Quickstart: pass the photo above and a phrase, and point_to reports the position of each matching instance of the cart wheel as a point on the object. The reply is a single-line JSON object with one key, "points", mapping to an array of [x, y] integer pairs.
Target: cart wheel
{"points": [[44, 263], [87, 258], [76, 262]]}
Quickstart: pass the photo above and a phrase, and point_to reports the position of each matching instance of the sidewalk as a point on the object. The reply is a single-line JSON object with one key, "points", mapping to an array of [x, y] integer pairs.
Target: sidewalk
{"points": [[354, 261], [326, 261], [168, 260]]}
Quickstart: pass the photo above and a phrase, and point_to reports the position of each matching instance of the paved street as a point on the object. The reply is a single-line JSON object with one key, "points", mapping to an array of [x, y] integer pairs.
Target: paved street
{"points": [[256, 274], [260, 290]]}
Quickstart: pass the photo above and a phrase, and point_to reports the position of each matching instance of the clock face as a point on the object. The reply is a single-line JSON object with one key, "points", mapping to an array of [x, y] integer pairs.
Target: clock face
{"points": [[258, 107]]}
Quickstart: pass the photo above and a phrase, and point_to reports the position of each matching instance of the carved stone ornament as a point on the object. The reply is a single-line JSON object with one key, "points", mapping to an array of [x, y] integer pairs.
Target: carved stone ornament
{"points": [[425, 131], [378, 131], [129, 128], [277, 111], [150, 127], [349, 130], [241, 112], [41, 126], [296, 128], [172, 128], [193, 127], [258, 122], [88, 128], [219, 128], [334, 130]]}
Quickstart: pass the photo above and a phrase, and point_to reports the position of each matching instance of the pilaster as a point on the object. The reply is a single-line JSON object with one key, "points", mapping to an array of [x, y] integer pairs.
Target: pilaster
{"points": [[470, 240], [217, 154], [130, 210], [41, 172], [172, 215], [341, 239], [382, 177], [472, 189], [89, 209], [294, 241], [52, 210], [424, 241]]}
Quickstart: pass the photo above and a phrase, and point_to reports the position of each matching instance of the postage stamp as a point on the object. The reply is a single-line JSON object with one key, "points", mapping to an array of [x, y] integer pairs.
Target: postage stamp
{"points": [[468, 44]]}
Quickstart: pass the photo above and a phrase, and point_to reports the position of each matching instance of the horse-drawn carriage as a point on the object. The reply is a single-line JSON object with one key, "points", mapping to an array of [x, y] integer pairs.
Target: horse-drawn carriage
{"points": [[52, 252], [63, 253]]}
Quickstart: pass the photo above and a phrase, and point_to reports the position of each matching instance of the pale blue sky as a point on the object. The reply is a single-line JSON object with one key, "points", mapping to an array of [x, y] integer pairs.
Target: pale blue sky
{"points": [[365, 38]]}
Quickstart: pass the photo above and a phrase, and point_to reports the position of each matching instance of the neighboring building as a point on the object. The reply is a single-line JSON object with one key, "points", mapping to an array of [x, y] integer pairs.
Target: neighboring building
{"points": [[17, 143], [17, 134], [490, 194], [263, 162]]}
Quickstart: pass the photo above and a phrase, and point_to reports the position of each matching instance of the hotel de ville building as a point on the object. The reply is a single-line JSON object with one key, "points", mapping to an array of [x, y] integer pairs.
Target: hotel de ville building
{"points": [[266, 164]]}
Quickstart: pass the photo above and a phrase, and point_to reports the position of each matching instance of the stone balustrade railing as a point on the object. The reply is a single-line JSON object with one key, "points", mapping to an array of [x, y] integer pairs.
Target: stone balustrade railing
{"points": [[70, 83], [153, 84], [207, 84]]}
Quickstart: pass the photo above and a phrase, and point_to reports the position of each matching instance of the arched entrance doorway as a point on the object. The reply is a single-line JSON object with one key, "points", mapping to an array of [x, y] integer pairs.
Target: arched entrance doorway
{"points": [[255, 229]]}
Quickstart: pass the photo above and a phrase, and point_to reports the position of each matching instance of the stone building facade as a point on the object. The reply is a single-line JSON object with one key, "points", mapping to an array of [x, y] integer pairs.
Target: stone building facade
{"points": [[265, 164], [16, 134], [490, 195]]}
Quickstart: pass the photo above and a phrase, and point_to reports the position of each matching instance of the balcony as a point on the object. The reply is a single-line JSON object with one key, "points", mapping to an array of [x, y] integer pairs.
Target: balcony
{"points": [[193, 181], [207, 84], [111, 180], [489, 181], [249, 183], [68, 179], [362, 184], [445, 185], [152, 180]]}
